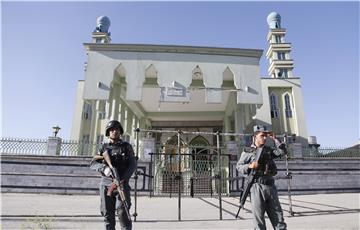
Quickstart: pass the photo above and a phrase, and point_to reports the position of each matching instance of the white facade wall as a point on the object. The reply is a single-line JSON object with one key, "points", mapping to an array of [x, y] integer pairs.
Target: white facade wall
{"points": [[170, 67]]}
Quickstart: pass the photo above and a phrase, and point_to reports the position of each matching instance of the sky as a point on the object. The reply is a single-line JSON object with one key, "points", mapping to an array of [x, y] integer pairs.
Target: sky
{"points": [[42, 54]]}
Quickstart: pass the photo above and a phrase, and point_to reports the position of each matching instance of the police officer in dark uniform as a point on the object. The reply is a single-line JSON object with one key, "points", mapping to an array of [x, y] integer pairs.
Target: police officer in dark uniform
{"points": [[263, 193], [122, 158]]}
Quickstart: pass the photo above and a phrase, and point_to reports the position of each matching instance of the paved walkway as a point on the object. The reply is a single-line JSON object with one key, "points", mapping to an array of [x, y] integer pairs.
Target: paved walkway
{"points": [[43, 211]]}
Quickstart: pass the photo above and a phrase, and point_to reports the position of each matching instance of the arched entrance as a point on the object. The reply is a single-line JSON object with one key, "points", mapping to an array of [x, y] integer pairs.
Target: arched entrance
{"points": [[201, 166], [170, 183]]}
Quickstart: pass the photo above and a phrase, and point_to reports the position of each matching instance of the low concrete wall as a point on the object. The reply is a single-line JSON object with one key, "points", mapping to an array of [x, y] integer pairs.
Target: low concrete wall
{"points": [[72, 175], [55, 174], [311, 176]]}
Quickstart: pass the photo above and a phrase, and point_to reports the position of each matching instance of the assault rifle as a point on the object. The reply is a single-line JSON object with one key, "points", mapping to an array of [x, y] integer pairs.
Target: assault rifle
{"points": [[116, 184], [261, 156], [97, 158]]}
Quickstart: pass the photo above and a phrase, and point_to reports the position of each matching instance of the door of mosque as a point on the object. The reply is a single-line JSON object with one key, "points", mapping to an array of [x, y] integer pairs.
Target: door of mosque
{"points": [[201, 167]]}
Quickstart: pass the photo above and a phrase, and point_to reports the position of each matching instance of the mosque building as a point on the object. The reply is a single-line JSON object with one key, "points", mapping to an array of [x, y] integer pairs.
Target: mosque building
{"points": [[171, 87]]}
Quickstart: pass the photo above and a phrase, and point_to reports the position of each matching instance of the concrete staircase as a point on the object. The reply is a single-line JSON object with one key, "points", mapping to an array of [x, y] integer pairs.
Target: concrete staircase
{"points": [[72, 175]]}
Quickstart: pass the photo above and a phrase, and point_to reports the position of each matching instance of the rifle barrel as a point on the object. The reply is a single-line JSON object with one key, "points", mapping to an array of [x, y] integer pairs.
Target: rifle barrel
{"points": [[123, 200]]}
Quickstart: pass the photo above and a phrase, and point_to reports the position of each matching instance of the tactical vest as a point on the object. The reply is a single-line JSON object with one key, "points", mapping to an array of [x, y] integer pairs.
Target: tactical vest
{"points": [[119, 155], [267, 166]]}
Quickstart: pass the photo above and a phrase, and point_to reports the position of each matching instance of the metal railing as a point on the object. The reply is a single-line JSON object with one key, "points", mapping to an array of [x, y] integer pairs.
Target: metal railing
{"points": [[330, 152], [24, 146], [28, 146], [78, 148]]}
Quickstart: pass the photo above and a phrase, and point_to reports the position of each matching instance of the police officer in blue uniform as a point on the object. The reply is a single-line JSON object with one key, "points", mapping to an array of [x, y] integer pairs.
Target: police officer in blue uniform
{"points": [[122, 158], [263, 193]]}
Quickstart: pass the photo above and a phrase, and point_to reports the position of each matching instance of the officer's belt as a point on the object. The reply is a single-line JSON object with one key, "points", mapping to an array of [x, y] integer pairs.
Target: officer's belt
{"points": [[265, 181]]}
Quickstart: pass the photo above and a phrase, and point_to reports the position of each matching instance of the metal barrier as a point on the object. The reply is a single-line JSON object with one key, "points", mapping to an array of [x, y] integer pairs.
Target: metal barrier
{"points": [[199, 173], [176, 164], [185, 169]]}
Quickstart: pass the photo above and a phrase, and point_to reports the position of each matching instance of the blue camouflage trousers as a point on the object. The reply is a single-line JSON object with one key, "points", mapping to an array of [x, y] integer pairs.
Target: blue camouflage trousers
{"points": [[111, 204]]}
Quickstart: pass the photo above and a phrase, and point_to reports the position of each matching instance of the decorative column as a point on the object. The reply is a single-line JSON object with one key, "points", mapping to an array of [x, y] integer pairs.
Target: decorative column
{"points": [[123, 114], [93, 121], [113, 104], [239, 120], [54, 143], [129, 122], [96, 120], [227, 127]]}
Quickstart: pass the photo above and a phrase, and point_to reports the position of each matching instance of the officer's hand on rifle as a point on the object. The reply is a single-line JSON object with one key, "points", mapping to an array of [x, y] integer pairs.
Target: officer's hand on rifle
{"points": [[119, 183], [116, 182], [107, 171], [253, 165]]}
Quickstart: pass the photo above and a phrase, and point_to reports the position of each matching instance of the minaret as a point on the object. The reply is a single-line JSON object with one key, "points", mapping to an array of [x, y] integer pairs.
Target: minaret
{"points": [[278, 54], [101, 33]]}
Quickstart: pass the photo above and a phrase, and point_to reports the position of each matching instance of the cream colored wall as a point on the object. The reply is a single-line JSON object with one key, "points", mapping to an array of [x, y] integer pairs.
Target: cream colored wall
{"points": [[297, 124], [282, 124]]}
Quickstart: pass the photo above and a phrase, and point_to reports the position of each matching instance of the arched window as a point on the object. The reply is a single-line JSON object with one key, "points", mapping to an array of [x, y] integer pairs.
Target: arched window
{"points": [[281, 55], [274, 111], [288, 110], [199, 149], [283, 73], [87, 111], [171, 154], [277, 39], [102, 110]]}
